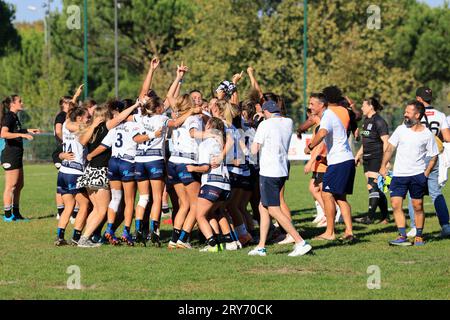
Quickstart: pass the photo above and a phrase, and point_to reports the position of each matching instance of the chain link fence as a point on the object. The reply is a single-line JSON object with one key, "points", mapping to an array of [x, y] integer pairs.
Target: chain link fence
{"points": [[39, 150]]}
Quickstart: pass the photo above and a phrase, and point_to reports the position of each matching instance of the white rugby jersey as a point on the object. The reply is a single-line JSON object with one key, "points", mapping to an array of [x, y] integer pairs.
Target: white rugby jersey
{"points": [[435, 120], [249, 136], [71, 144], [152, 150], [236, 152], [120, 140], [184, 147], [217, 177]]}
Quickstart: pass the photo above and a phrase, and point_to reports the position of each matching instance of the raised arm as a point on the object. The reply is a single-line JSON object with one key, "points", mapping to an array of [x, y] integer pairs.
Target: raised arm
{"points": [[154, 64], [235, 97], [171, 95], [77, 94], [111, 124], [254, 82]]}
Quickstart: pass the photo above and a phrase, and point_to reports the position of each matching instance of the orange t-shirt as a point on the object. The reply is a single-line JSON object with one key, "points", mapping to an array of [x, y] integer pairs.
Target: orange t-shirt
{"points": [[343, 115]]}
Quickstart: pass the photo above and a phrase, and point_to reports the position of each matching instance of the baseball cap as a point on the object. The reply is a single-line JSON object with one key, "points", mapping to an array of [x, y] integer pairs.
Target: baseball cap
{"points": [[271, 106], [425, 93]]}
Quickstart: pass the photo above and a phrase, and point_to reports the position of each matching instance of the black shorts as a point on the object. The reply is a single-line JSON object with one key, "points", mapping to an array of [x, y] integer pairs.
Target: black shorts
{"points": [[372, 165], [12, 158], [318, 178], [238, 181], [55, 156]]}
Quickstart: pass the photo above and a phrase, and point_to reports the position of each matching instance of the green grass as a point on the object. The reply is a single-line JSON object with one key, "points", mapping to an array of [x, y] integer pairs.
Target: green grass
{"points": [[32, 268]]}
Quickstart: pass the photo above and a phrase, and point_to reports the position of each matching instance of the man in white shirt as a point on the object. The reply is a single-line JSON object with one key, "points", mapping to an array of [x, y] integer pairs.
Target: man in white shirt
{"points": [[436, 122], [339, 179], [272, 140], [414, 144]]}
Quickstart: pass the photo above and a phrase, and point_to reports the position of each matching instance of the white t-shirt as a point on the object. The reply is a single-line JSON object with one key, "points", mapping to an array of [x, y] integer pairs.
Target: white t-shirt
{"points": [[274, 136], [120, 140], [437, 121], [412, 150], [182, 142], [338, 147], [211, 148], [147, 126], [71, 143]]}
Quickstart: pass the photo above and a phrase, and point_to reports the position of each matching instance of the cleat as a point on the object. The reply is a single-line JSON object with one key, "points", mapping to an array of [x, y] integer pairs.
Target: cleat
{"points": [[172, 245], [231, 246], [209, 248], [238, 245], [10, 219], [445, 233], [300, 249], [87, 243], [364, 220], [126, 238], [262, 252], [183, 245], [97, 239], [60, 242], [19, 218], [111, 238], [246, 239], [419, 242], [74, 242], [401, 242], [154, 237], [140, 239]]}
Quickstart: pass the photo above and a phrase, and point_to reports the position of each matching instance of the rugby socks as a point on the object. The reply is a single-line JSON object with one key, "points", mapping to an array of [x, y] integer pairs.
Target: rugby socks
{"points": [[76, 235], [139, 226], [383, 204], [60, 209], [441, 210], [154, 226], [419, 232], [227, 238], [184, 236], [60, 233], [212, 241], [75, 212], [402, 232], [374, 199], [109, 228], [234, 235], [175, 235], [8, 212], [126, 231], [16, 211]]}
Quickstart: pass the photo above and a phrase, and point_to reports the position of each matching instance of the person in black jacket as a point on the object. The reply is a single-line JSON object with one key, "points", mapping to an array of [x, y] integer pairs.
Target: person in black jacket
{"points": [[12, 155]]}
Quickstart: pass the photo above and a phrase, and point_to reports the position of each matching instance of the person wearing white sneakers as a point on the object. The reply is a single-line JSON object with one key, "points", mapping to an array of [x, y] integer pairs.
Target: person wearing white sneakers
{"points": [[272, 140]]}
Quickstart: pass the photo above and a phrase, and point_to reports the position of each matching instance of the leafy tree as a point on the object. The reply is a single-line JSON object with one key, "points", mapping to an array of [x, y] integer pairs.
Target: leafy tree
{"points": [[9, 38]]}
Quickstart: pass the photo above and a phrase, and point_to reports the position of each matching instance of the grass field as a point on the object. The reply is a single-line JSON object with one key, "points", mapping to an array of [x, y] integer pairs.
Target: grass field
{"points": [[32, 268]]}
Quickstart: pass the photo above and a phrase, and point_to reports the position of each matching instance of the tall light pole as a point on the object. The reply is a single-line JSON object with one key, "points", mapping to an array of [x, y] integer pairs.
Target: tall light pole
{"points": [[86, 87], [305, 58], [116, 52]]}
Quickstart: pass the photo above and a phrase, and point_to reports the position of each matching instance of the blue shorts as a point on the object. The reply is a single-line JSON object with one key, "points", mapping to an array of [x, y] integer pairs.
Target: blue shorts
{"points": [[121, 170], [67, 184], [154, 170], [340, 178], [416, 185], [270, 189], [177, 173], [214, 194]]}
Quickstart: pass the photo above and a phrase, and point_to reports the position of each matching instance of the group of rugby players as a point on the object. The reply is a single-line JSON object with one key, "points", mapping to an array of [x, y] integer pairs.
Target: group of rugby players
{"points": [[216, 158]]}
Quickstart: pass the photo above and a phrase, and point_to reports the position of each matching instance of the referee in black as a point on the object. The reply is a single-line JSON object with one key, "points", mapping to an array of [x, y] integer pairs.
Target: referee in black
{"points": [[375, 136]]}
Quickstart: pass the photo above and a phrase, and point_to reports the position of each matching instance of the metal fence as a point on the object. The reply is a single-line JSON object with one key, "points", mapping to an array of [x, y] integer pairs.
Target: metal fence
{"points": [[38, 150]]}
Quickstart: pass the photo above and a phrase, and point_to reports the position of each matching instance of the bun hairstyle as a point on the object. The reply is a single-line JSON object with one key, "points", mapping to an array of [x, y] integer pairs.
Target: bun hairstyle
{"points": [[6, 104], [375, 104], [183, 104], [149, 108]]}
